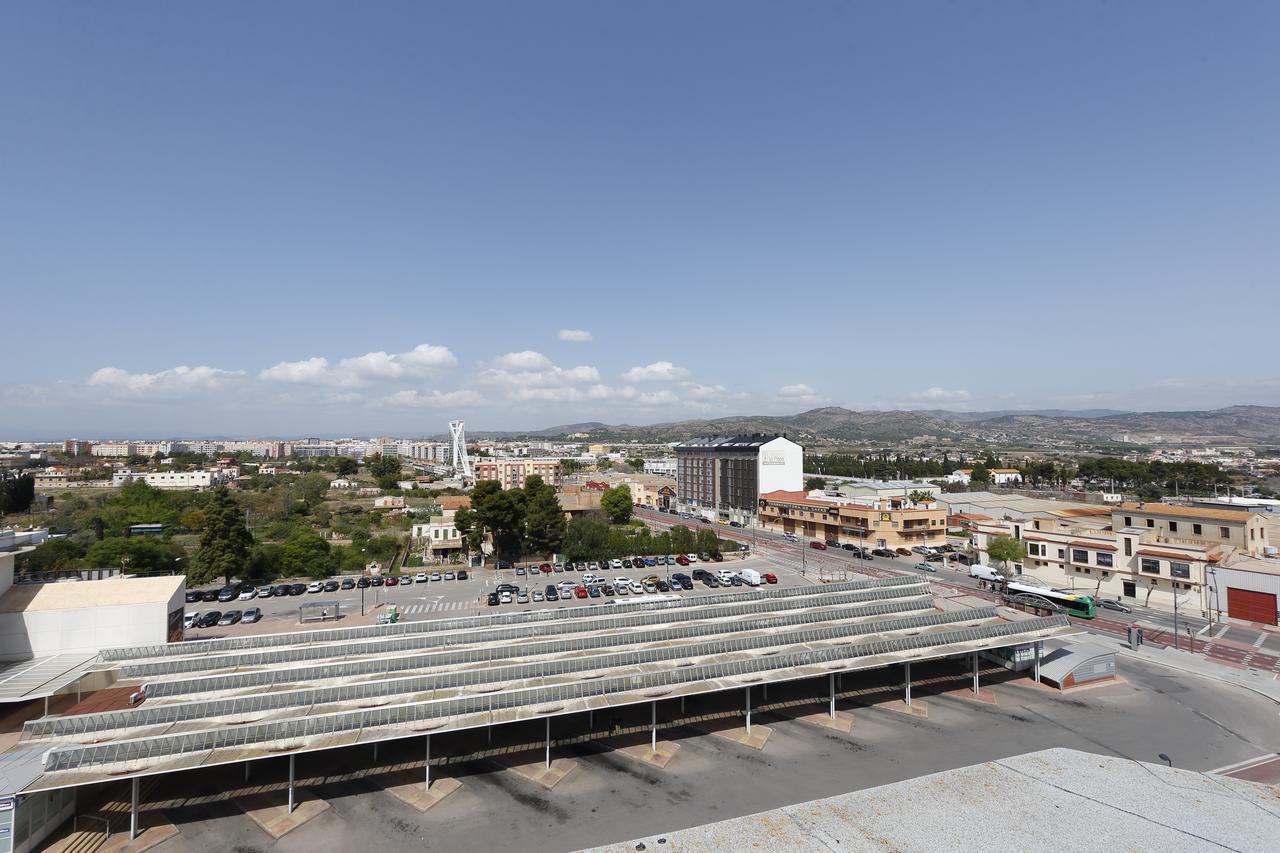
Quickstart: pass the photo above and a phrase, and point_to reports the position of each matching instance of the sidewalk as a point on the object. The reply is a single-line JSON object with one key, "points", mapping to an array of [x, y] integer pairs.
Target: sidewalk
{"points": [[1266, 684]]}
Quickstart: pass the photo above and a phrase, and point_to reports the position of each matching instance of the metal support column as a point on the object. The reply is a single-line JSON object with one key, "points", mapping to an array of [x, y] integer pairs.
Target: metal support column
{"points": [[427, 787], [765, 688], [246, 771], [832, 679], [1038, 644], [975, 673], [548, 743], [375, 751], [748, 710], [682, 706], [591, 719], [46, 706], [291, 758], [653, 726], [907, 698], [133, 811]]}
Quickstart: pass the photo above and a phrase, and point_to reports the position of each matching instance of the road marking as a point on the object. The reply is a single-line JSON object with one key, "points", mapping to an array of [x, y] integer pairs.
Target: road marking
{"points": [[1248, 762]]}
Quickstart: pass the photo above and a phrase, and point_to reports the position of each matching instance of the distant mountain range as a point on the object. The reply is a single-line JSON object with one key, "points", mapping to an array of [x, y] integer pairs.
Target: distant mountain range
{"points": [[836, 425]]}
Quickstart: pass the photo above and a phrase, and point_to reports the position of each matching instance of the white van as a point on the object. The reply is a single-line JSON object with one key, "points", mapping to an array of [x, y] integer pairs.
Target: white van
{"points": [[750, 577], [985, 573]]}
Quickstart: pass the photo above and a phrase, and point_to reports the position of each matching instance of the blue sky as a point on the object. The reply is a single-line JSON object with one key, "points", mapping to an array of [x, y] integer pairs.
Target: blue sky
{"points": [[251, 219]]}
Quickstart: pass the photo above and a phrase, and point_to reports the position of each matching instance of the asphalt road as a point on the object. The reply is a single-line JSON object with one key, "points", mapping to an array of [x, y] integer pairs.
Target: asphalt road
{"points": [[1200, 724]]}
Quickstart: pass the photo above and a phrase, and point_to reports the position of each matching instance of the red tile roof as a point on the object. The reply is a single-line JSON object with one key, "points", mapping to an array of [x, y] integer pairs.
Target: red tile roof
{"points": [[1097, 546]]}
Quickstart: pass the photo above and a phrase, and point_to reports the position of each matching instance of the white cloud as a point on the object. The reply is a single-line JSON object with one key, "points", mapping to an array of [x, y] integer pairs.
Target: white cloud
{"points": [[941, 395], [575, 336], [659, 371], [421, 361], [518, 373], [435, 399], [799, 390], [525, 360], [172, 382]]}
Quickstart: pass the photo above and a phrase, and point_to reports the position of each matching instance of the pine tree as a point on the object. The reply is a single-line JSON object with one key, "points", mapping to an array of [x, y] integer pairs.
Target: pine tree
{"points": [[225, 543]]}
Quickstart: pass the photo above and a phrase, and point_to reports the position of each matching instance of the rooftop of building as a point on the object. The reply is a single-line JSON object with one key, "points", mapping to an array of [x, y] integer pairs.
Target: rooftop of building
{"points": [[72, 595], [736, 442], [824, 500], [1239, 516], [1021, 504], [1125, 805]]}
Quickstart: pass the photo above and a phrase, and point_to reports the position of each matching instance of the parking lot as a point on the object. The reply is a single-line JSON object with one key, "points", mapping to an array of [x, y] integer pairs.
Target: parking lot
{"points": [[437, 599]]}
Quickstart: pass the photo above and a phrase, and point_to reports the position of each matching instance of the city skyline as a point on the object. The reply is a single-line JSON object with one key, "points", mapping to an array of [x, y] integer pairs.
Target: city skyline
{"points": [[371, 222]]}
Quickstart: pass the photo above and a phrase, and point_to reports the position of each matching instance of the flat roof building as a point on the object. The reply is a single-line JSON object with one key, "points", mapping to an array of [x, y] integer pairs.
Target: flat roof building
{"points": [[725, 476]]}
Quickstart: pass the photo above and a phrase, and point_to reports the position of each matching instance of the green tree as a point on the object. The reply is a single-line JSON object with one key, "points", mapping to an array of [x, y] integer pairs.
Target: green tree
{"points": [[980, 475], [811, 483], [345, 466], [587, 537], [61, 553], [919, 496], [544, 521], [225, 543], [134, 554], [496, 513], [17, 493], [707, 540], [305, 554], [1150, 492], [193, 519], [385, 469], [1006, 549], [617, 504], [636, 463], [682, 539]]}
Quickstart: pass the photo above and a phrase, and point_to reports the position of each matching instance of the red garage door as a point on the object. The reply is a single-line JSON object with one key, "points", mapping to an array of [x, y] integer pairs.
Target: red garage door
{"points": [[1252, 606]]}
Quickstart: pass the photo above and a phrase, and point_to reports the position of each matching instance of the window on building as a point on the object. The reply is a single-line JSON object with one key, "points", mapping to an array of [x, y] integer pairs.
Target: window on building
{"points": [[1224, 532], [1151, 522], [1062, 553], [1104, 560], [1128, 521], [1252, 532], [1150, 566], [1128, 547], [1179, 570], [1173, 527], [1079, 556], [1197, 529]]}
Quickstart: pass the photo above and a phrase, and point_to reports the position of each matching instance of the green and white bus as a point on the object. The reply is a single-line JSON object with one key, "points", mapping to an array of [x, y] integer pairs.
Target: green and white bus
{"points": [[1071, 603]]}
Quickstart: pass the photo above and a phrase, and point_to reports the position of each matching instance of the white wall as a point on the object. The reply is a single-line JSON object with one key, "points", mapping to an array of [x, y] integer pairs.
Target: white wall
{"points": [[781, 466], [39, 633]]}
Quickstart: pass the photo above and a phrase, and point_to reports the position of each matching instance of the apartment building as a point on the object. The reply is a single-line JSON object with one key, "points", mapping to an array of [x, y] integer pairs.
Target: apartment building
{"points": [[665, 466], [874, 522], [724, 477], [512, 473], [1146, 553], [114, 449]]}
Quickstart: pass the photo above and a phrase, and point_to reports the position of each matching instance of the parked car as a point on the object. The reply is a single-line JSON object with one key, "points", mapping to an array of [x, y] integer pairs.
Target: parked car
{"points": [[790, 537], [506, 587], [315, 586], [552, 594], [297, 588], [649, 586], [692, 558], [520, 570], [883, 552], [594, 591], [377, 580], [833, 543], [392, 580], [505, 597], [189, 620], [193, 595], [682, 560], [717, 556], [935, 558], [231, 617], [493, 599], [209, 619], [228, 593], [627, 564], [406, 580], [903, 552], [537, 595], [522, 597], [769, 577], [580, 592], [248, 595], [1108, 604], [503, 564], [636, 588], [735, 524], [662, 586], [251, 615], [818, 545], [462, 574], [363, 582], [448, 576], [926, 567], [331, 586], [348, 583]]}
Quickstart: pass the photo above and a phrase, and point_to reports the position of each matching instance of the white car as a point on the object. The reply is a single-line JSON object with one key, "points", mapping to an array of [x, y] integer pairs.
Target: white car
{"points": [[622, 581], [265, 591], [537, 596], [636, 588], [725, 577], [692, 558], [189, 619], [568, 585], [448, 576], [790, 537], [315, 586], [248, 594], [505, 598], [420, 577], [615, 564]]}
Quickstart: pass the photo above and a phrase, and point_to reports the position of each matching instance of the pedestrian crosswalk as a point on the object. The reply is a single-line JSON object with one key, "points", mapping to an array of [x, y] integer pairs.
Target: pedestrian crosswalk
{"points": [[435, 607]]}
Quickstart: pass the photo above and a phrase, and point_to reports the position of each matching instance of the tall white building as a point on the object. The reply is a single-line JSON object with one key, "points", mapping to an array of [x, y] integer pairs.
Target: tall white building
{"points": [[727, 475]]}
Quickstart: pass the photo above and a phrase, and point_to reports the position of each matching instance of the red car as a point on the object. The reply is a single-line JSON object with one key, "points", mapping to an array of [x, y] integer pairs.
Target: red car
{"points": [[393, 581], [545, 568], [682, 559], [905, 552], [818, 544], [580, 592], [769, 577]]}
